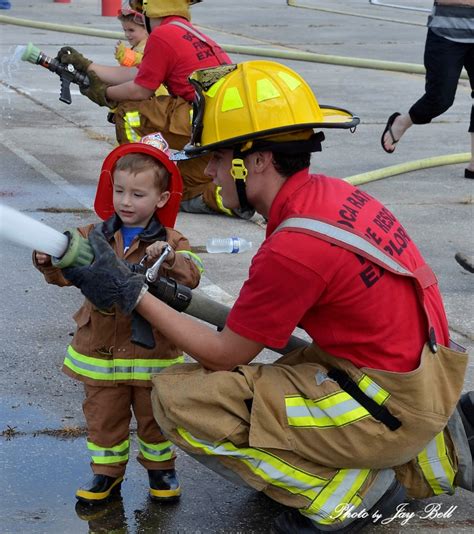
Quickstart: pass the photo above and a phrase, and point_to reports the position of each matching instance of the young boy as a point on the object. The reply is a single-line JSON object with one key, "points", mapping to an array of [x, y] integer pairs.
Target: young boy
{"points": [[116, 373]]}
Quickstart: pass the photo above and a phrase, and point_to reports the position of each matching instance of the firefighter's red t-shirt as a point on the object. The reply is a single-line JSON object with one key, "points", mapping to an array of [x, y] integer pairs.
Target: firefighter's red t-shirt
{"points": [[172, 54], [349, 306]]}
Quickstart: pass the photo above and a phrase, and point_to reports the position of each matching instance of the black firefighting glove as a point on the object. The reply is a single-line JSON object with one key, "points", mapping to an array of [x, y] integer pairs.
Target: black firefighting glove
{"points": [[95, 91], [71, 56], [108, 280]]}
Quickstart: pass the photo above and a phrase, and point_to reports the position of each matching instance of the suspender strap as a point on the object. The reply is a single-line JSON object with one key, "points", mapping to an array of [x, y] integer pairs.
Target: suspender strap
{"points": [[358, 244], [377, 411], [215, 49]]}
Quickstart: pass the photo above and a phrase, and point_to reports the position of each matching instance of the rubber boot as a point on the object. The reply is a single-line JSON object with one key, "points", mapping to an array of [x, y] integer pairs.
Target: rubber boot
{"points": [[466, 411], [293, 522], [98, 489], [164, 485]]}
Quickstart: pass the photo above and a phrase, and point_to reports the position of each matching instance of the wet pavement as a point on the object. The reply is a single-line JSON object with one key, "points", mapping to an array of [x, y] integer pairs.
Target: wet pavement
{"points": [[41, 468], [50, 157]]}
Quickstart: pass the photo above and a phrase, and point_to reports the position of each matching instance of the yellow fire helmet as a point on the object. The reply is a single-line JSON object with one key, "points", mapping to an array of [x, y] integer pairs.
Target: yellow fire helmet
{"points": [[155, 9], [264, 100]]}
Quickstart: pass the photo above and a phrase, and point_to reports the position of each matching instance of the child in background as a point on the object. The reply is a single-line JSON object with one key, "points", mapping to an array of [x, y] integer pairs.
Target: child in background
{"points": [[140, 189], [133, 24]]}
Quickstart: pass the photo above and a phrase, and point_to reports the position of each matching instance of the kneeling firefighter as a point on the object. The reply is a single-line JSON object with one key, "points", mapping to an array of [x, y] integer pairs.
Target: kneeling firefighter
{"points": [[369, 412], [174, 49]]}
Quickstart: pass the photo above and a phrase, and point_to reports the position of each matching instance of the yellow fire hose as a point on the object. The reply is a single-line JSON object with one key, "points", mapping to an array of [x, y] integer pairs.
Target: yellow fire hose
{"points": [[292, 3], [409, 166], [297, 55]]}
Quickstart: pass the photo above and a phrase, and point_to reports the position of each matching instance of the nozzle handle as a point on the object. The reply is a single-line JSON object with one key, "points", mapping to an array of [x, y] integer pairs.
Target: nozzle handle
{"points": [[65, 94]]}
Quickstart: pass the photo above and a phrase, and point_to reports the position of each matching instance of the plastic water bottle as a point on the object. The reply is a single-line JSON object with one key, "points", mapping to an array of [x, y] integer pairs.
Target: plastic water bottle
{"points": [[231, 245]]}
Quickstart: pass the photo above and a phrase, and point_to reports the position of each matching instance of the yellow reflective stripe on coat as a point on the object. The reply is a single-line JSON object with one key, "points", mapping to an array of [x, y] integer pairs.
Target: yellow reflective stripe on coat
{"points": [[373, 390], [109, 455], [156, 452], [436, 466], [325, 494], [220, 202], [335, 410], [338, 409], [343, 489], [194, 258], [131, 120], [116, 368]]}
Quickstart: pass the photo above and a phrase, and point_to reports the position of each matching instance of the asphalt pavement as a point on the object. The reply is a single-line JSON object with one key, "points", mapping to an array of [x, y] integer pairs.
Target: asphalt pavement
{"points": [[51, 155]]}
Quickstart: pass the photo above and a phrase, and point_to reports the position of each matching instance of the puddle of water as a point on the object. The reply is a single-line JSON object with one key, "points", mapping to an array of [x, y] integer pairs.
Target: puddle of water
{"points": [[25, 416]]}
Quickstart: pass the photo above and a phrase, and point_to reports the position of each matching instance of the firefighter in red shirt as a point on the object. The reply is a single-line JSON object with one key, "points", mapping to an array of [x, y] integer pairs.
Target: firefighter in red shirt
{"points": [[345, 429], [175, 48]]}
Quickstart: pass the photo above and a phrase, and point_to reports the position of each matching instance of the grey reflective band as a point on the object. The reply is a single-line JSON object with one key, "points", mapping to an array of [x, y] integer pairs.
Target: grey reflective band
{"points": [[190, 30], [344, 236], [215, 49]]}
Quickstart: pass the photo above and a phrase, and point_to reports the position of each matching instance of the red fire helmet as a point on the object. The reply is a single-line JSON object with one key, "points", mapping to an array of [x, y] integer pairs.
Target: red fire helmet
{"points": [[103, 203]]}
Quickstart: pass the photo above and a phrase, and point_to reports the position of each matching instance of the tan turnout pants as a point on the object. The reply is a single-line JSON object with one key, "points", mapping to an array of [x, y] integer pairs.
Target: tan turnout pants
{"points": [[108, 412], [170, 116], [288, 430]]}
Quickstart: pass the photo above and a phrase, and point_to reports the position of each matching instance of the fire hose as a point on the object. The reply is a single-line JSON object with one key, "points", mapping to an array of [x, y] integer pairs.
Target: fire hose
{"points": [[71, 249]]}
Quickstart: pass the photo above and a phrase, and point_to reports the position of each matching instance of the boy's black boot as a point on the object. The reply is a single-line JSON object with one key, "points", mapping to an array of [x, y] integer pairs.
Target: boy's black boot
{"points": [[292, 522], [98, 489], [164, 484]]}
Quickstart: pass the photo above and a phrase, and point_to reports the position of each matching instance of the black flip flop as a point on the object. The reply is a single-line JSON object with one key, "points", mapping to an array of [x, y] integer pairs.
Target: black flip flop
{"points": [[388, 128], [464, 261]]}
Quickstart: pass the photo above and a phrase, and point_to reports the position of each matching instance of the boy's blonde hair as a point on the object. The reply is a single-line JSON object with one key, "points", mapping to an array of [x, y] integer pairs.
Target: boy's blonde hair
{"points": [[137, 162]]}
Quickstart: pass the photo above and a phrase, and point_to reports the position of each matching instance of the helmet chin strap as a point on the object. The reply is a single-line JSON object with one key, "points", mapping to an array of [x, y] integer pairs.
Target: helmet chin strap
{"points": [[239, 173], [148, 25]]}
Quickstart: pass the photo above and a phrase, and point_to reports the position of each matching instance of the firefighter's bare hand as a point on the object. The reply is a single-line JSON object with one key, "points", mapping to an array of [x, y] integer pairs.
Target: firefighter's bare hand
{"points": [[154, 251], [42, 259]]}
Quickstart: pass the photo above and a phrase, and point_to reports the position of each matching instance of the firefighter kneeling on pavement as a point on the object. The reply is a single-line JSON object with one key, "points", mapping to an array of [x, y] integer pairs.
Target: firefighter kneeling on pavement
{"points": [[371, 412]]}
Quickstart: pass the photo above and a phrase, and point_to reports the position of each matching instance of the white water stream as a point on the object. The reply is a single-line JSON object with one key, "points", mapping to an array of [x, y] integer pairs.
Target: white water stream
{"points": [[24, 230]]}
